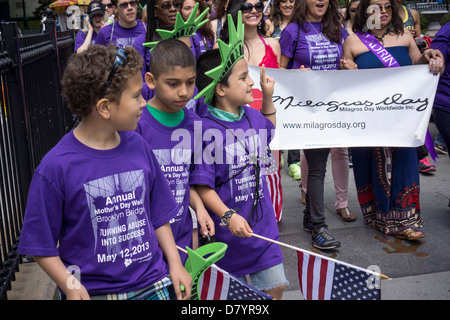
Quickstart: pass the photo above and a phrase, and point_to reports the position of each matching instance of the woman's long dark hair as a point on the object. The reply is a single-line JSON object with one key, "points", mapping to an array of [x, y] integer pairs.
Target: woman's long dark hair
{"points": [[396, 24], [331, 22]]}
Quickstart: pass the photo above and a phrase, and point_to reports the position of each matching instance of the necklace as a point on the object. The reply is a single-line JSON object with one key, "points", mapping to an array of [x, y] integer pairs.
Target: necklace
{"points": [[318, 33], [380, 39]]}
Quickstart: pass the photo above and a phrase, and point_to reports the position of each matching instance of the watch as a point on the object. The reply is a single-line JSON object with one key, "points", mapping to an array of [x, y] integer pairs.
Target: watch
{"points": [[225, 219]]}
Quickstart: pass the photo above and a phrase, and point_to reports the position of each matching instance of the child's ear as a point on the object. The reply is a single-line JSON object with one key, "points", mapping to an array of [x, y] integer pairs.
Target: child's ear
{"points": [[219, 90], [150, 80], [103, 108]]}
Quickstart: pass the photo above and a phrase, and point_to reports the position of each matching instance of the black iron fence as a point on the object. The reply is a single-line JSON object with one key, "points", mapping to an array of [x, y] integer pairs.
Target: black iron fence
{"points": [[33, 118]]}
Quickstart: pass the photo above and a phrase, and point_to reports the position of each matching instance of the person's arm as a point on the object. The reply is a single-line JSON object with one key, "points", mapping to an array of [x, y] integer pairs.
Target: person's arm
{"points": [[203, 217], [237, 224], [88, 37], [58, 272], [178, 274], [416, 17], [434, 58], [267, 86]]}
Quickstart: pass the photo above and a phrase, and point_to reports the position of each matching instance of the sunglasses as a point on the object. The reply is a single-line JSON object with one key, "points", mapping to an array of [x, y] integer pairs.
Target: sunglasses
{"points": [[284, 1], [124, 5], [168, 5], [119, 61], [247, 7], [387, 7], [109, 5], [352, 10]]}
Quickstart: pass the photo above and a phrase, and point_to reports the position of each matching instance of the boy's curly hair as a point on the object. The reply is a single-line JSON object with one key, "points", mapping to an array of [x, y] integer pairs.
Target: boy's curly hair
{"points": [[86, 74]]}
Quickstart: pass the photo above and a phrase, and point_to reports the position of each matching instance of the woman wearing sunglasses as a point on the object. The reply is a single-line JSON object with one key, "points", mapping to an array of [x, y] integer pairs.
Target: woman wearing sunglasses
{"points": [[281, 14], [383, 203]]}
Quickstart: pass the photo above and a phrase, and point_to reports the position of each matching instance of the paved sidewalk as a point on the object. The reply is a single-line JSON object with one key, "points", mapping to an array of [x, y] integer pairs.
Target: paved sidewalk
{"points": [[418, 270]]}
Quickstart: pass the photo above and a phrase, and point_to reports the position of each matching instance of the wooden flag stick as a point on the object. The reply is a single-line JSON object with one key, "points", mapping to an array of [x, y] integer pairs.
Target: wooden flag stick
{"points": [[321, 256]]}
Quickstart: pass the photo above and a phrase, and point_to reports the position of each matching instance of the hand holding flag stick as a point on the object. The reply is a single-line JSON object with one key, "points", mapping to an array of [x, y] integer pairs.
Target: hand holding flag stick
{"points": [[321, 256]]}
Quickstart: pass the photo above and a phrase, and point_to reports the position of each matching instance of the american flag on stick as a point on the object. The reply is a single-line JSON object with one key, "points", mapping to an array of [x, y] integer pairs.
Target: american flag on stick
{"points": [[322, 279], [217, 284]]}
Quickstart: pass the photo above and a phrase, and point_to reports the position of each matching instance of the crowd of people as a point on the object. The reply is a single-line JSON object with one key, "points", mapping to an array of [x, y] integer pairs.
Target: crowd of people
{"points": [[124, 190]]}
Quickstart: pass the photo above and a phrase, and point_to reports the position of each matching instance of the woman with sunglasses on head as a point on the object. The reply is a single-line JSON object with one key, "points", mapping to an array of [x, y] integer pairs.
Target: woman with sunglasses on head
{"points": [[281, 14], [387, 179], [204, 37], [313, 41]]}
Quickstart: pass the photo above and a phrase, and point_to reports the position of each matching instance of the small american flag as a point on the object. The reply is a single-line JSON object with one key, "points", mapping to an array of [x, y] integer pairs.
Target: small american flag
{"points": [[322, 279], [217, 284]]}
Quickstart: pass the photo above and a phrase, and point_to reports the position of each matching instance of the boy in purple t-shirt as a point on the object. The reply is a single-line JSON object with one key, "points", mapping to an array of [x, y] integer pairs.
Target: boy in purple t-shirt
{"points": [[168, 127], [230, 174], [99, 205]]}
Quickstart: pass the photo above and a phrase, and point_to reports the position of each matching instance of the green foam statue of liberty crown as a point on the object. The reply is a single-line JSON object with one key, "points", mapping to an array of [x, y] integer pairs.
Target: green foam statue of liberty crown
{"points": [[230, 53], [182, 28]]}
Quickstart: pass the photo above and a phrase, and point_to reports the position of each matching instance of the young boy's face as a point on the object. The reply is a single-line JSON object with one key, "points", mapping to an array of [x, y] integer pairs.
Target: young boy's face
{"points": [[173, 88], [238, 91], [126, 113]]}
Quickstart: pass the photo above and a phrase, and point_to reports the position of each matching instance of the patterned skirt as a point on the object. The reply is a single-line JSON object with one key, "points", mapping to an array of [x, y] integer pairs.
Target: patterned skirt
{"points": [[388, 186]]}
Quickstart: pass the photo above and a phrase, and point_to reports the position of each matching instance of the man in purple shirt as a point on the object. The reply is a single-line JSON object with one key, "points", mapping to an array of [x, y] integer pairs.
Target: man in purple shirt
{"points": [[124, 31]]}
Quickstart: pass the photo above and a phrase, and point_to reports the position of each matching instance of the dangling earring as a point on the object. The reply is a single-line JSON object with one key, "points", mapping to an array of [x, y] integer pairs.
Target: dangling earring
{"points": [[365, 28], [391, 27]]}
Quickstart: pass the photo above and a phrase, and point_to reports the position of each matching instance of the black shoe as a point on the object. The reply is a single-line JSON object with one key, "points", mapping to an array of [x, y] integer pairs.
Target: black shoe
{"points": [[322, 239]]}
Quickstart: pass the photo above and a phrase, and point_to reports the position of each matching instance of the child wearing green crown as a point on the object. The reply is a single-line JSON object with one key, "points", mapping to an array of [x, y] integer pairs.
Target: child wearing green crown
{"points": [[233, 186]]}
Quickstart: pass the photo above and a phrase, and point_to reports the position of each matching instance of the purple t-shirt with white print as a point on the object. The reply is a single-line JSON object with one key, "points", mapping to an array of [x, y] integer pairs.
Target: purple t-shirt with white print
{"points": [[227, 165], [173, 148], [98, 210], [313, 49]]}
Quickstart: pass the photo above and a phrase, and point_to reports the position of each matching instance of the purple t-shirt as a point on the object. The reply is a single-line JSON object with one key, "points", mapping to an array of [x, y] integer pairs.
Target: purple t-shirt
{"points": [[173, 148], [313, 49], [121, 37], [81, 36], [102, 207], [226, 166], [442, 42]]}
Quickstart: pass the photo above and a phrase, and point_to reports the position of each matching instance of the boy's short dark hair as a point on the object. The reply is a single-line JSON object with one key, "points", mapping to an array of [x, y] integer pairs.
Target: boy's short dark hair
{"points": [[207, 61], [86, 74], [170, 53]]}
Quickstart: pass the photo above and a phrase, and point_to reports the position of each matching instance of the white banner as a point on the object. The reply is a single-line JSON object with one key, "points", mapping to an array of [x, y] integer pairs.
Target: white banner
{"points": [[350, 108]]}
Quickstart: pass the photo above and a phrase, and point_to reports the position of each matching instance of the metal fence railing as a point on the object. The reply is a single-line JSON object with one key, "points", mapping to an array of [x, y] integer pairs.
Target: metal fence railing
{"points": [[33, 118]]}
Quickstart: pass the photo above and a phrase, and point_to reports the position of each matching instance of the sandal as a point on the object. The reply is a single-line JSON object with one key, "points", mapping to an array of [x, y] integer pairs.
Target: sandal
{"points": [[345, 215], [408, 234]]}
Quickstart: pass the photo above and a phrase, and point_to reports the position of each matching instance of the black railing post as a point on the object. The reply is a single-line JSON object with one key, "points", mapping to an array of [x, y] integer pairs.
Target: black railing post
{"points": [[18, 111], [50, 27]]}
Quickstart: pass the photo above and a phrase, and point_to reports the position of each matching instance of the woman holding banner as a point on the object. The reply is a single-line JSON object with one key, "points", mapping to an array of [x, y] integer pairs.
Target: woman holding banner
{"points": [[387, 179], [313, 40]]}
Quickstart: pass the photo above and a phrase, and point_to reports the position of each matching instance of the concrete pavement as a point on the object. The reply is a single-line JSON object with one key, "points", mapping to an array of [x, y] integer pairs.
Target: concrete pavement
{"points": [[419, 270]]}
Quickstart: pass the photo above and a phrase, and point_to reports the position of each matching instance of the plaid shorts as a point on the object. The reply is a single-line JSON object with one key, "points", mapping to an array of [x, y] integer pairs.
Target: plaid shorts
{"points": [[161, 290]]}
